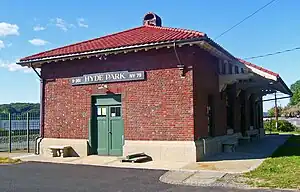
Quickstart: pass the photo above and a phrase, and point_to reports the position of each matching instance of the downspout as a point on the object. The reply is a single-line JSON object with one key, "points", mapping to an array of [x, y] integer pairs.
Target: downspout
{"points": [[39, 139], [179, 65], [204, 146]]}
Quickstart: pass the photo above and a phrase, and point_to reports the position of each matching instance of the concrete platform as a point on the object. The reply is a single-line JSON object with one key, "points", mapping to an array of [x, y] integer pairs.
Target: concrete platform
{"points": [[247, 156], [107, 161]]}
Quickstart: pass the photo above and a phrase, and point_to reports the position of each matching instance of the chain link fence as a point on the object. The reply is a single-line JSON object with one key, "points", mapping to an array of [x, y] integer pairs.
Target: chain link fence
{"points": [[18, 132]]}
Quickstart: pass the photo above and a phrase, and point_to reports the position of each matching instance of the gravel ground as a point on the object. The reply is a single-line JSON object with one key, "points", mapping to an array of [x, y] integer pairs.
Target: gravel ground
{"points": [[237, 181], [232, 180]]}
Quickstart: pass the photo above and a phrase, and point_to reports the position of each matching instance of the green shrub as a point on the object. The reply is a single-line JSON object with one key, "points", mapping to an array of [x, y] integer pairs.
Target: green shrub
{"points": [[270, 125], [283, 126], [286, 126]]}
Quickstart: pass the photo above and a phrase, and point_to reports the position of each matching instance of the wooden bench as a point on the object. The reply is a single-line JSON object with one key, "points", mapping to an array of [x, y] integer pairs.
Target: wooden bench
{"points": [[60, 150], [229, 145]]}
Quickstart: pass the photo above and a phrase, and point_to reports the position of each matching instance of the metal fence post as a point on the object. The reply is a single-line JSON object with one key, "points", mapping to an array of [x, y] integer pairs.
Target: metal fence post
{"points": [[27, 126], [9, 133]]}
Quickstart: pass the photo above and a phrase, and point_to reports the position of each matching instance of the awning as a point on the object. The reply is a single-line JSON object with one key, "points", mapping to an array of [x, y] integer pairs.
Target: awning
{"points": [[256, 80]]}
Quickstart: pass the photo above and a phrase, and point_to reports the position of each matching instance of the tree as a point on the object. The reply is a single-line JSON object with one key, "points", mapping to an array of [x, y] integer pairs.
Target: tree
{"points": [[295, 88], [20, 108], [271, 112]]}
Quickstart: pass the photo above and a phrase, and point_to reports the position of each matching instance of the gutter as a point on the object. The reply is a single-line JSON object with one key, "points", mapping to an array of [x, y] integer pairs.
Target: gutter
{"points": [[39, 139], [129, 48]]}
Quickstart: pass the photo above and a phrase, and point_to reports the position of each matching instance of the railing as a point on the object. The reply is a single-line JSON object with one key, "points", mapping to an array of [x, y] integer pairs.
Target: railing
{"points": [[18, 132]]}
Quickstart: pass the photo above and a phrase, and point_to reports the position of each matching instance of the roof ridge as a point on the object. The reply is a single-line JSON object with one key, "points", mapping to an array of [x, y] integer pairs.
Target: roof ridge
{"points": [[87, 45], [177, 29], [84, 41]]}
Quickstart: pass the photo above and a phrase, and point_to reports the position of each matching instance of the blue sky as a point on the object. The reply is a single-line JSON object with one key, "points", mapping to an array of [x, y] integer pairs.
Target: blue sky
{"points": [[32, 26]]}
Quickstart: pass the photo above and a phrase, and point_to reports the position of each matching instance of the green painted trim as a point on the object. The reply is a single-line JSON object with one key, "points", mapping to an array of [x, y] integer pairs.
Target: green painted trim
{"points": [[90, 143], [110, 99]]}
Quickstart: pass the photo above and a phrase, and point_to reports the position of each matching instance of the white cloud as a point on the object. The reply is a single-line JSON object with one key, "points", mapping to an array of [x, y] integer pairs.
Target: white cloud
{"points": [[2, 44], [81, 23], [8, 29], [38, 42], [62, 24], [39, 28], [10, 66]]}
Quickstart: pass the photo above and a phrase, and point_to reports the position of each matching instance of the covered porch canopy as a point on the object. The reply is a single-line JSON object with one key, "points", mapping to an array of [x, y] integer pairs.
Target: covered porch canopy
{"points": [[256, 80]]}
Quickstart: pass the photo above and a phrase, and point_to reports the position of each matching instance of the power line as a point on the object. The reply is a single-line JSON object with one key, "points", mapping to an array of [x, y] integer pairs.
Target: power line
{"points": [[258, 10], [275, 53]]}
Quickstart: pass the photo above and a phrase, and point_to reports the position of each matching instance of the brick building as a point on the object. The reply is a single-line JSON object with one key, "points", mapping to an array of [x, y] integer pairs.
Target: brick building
{"points": [[171, 93]]}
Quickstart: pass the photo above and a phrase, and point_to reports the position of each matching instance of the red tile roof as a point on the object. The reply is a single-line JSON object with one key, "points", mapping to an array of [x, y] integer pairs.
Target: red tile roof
{"points": [[136, 36], [259, 68]]}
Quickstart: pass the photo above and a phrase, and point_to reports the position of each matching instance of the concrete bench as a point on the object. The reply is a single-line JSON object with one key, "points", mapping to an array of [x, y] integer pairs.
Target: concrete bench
{"points": [[244, 139], [60, 150], [253, 134], [229, 145]]}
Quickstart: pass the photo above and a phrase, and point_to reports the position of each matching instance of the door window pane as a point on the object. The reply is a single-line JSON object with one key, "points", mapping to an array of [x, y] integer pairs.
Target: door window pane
{"points": [[101, 111], [115, 111]]}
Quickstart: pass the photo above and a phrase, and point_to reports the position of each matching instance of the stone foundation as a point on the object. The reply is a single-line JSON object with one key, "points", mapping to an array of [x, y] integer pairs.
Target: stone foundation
{"points": [[177, 151], [187, 151], [80, 147], [213, 145]]}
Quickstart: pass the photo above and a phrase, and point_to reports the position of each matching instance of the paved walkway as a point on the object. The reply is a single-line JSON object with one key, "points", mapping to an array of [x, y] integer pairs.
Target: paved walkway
{"points": [[247, 157], [107, 161]]}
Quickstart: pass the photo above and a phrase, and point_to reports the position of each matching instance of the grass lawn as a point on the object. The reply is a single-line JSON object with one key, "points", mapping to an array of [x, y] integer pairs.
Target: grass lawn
{"points": [[275, 132], [282, 170], [6, 160]]}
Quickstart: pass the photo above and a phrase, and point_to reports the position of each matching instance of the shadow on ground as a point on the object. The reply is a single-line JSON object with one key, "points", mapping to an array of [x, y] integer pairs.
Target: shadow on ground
{"points": [[259, 149]]}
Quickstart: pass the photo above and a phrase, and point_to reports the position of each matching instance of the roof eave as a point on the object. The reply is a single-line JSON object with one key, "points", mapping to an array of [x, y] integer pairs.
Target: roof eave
{"points": [[106, 51], [217, 46], [128, 49], [288, 91]]}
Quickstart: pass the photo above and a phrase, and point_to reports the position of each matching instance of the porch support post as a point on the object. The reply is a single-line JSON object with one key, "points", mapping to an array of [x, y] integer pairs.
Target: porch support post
{"points": [[261, 115], [247, 110]]}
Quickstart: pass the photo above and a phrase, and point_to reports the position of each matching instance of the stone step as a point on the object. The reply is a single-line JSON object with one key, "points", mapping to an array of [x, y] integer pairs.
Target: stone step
{"points": [[131, 156], [137, 158]]}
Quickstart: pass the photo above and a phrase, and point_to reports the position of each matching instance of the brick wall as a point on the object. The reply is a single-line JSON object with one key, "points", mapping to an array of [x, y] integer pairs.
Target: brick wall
{"points": [[160, 108], [207, 83]]}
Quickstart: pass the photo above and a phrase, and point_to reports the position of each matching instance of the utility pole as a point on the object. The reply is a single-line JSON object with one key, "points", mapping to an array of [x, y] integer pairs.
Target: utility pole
{"points": [[276, 112]]}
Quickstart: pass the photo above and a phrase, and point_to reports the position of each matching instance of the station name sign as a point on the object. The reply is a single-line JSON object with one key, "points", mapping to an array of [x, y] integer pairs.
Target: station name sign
{"points": [[108, 77]]}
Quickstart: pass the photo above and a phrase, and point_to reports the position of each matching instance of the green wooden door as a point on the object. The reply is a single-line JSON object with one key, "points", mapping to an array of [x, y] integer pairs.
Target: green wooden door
{"points": [[115, 134], [102, 130], [110, 130]]}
